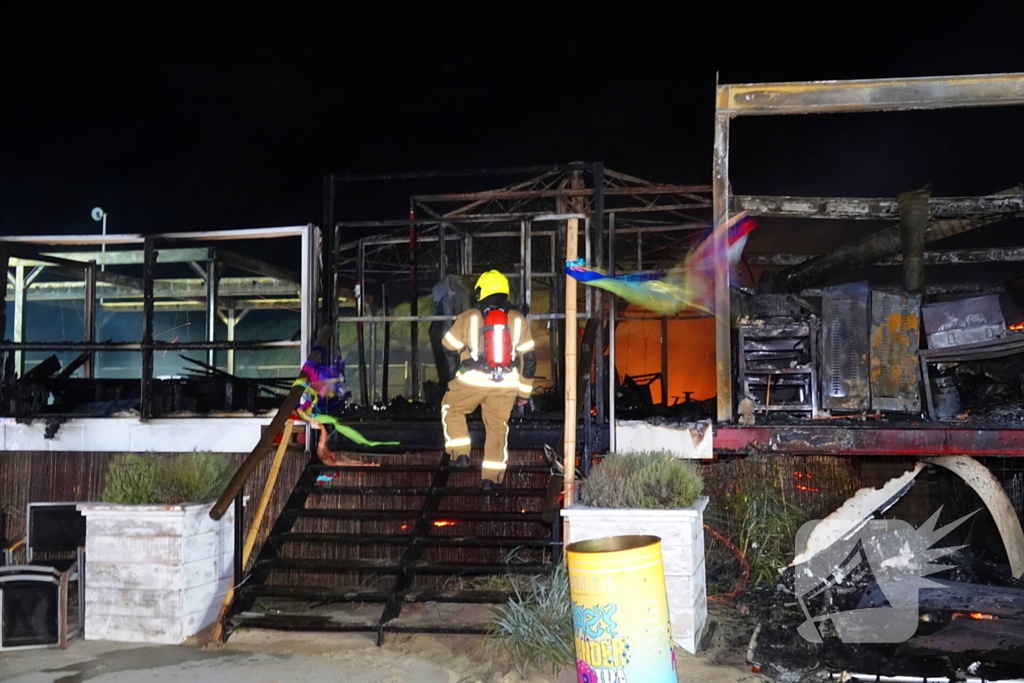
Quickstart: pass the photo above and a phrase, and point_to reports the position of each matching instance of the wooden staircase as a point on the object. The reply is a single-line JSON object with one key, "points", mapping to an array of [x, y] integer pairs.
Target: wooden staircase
{"points": [[355, 545]]}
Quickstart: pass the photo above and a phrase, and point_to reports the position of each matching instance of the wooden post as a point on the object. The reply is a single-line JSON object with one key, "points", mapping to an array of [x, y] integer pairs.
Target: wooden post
{"points": [[212, 278], [19, 317], [571, 340], [723, 314], [89, 319], [62, 609], [231, 320]]}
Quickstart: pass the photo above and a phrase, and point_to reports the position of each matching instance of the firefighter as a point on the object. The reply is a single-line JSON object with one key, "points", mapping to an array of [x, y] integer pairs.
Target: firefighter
{"points": [[491, 356]]}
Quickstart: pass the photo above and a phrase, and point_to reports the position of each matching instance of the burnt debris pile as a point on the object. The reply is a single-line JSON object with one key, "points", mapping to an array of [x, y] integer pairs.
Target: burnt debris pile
{"points": [[867, 596]]}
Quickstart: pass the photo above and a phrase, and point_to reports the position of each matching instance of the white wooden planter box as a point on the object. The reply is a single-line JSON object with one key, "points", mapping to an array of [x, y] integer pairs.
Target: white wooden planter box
{"points": [[682, 545], [155, 573]]}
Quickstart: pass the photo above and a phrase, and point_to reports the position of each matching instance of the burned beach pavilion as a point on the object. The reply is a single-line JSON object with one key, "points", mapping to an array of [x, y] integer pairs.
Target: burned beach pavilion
{"points": [[850, 354]]}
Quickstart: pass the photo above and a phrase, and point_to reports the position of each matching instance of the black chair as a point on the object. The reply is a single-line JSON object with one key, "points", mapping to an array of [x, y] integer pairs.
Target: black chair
{"points": [[34, 597], [54, 532]]}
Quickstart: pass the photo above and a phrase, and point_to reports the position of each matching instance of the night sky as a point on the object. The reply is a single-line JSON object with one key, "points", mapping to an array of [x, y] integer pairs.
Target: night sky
{"points": [[188, 122]]}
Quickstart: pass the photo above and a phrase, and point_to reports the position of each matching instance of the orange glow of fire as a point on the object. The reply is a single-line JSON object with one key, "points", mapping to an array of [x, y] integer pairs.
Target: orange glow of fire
{"points": [[404, 527], [1018, 326], [973, 615], [799, 475], [445, 522]]}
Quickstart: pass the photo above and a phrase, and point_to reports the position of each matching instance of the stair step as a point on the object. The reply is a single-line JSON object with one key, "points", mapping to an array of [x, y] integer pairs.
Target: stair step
{"points": [[352, 514], [477, 516], [392, 567], [422, 468], [453, 515], [302, 622], [347, 539], [426, 541], [479, 569], [327, 565], [418, 491], [314, 593]]}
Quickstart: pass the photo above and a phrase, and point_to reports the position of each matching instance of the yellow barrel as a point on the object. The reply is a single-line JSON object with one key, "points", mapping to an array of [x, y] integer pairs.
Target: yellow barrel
{"points": [[620, 611]]}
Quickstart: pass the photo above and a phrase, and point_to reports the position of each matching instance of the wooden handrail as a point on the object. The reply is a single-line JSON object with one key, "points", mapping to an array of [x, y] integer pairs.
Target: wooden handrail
{"points": [[263, 447], [250, 540], [268, 492]]}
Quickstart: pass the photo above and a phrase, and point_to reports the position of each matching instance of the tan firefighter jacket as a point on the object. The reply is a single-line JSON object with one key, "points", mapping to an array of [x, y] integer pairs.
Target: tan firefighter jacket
{"points": [[466, 338]]}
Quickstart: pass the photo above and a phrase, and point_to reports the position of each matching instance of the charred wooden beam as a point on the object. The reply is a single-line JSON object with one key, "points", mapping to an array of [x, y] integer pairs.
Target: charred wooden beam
{"points": [[78, 362], [859, 208], [887, 94], [955, 257], [466, 173], [251, 265], [722, 190], [89, 317], [998, 640], [983, 287], [693, 206], [136, 346], [130, 256], [184, 288], [913, 224], [583, 192], [74, 267], [44, 369], [874, 247]]}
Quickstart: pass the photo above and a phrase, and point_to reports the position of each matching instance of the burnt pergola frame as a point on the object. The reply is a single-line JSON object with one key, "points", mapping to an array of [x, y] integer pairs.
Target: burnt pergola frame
{"points": [[613, 210], [30, 255], [830, 97]]}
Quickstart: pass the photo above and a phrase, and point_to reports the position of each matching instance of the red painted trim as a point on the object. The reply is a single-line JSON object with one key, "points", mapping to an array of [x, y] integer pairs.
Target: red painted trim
{"points": [[800, 440]]}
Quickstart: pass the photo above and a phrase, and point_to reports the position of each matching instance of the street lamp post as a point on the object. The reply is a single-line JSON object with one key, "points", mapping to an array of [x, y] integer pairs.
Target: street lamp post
{"points": [[99, 215]]}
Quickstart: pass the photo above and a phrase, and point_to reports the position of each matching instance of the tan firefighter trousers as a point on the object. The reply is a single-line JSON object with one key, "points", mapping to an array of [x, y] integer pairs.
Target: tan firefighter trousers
{"points": [[496, 406]]}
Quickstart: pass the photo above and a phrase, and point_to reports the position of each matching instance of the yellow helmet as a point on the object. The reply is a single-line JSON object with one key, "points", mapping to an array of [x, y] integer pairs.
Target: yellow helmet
{"points": [[491, 282]]}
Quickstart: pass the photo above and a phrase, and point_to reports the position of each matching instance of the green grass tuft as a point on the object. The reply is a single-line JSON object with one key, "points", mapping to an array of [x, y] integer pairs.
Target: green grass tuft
{"points": [[135, 479], [534, 629], [767, 522]]}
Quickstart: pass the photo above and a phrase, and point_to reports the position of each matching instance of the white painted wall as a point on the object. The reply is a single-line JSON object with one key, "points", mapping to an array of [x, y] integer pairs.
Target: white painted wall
{"points": [[132, 435], [684, 441], [155, 573], [682, 549]]}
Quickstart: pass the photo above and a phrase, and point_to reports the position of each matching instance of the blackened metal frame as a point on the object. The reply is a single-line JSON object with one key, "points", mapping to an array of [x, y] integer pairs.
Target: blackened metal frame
{"points": [[824, 97], [519, 211], [27, 252]]}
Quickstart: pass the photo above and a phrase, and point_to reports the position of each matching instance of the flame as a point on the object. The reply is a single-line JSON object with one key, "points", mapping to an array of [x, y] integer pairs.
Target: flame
{"points": [[404, 527], [973, 615], [1018, 326], [445, 522]]}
